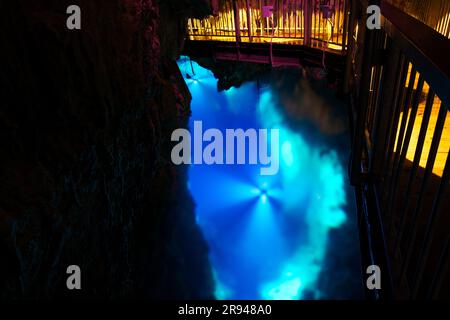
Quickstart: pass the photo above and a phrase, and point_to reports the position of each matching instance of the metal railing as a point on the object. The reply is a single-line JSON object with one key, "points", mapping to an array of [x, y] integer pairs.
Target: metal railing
{"points": [[311, 23], [401, 150], [434, 13]]}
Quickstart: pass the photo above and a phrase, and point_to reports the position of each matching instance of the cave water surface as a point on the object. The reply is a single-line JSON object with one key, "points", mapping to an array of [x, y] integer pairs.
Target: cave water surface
{"points": [[267, 234]]}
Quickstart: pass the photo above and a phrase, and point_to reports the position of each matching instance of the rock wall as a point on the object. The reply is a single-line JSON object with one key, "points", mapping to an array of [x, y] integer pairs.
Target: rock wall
{"points": [[85, 170]]}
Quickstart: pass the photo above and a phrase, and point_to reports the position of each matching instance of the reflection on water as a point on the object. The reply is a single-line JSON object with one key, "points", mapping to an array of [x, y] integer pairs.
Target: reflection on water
{"points": [[267, 234]]}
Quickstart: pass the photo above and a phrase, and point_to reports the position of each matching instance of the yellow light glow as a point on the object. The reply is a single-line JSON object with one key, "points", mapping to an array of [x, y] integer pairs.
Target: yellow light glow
{"points": [[283, 27], [444, 144]]}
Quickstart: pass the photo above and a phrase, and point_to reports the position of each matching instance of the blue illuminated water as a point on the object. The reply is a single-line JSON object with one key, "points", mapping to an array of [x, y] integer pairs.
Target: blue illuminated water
{"points": [[268, 235]]}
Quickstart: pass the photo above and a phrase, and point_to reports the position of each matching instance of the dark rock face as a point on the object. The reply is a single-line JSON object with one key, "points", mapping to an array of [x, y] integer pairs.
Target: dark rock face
{"points": [[234, 73], [85, 171]]}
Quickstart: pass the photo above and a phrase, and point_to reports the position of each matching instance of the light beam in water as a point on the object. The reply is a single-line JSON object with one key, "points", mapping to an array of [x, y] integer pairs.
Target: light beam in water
{"points": [[267, 234]]}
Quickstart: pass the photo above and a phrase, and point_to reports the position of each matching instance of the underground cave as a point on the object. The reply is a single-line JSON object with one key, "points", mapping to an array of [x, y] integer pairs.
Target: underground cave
{"points": [[87, 176]]}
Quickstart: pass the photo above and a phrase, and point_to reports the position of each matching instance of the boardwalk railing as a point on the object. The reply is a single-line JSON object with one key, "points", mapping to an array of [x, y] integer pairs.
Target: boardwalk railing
{"points": [[311, 23], [400, 165], [434, 13]]}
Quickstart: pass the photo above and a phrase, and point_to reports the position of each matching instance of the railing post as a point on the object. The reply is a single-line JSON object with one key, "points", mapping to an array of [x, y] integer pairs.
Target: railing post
{"points": [[385, 111], [361, 105], [351, 28], [347, 24], [249, 21], [307, 15], [237, 23]]}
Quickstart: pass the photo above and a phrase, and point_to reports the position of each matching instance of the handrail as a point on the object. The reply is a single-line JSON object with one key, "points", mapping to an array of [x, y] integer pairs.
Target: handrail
{"points": [[399, 73], [419, 41]]}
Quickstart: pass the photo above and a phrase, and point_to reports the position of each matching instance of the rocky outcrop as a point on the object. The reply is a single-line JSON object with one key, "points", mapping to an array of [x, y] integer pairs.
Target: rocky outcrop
{"points": [[85, 170], [234, 73]]}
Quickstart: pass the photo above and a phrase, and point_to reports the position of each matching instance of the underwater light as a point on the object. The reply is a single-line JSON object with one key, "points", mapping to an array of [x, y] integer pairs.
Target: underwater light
{"points": [[264, 192], [264, 198], [261, 192]]}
